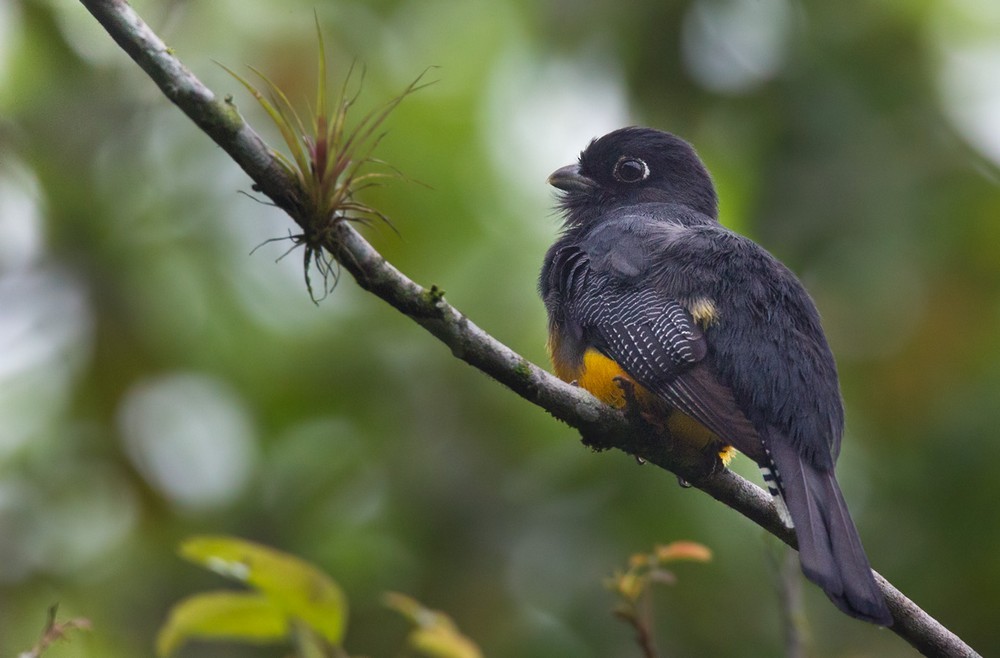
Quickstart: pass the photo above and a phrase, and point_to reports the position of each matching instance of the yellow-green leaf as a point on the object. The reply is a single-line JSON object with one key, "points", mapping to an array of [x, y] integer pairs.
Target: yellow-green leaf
{"points": [[435, 635], [298, 588], [245, 616], [440, 642], [284, 118]]}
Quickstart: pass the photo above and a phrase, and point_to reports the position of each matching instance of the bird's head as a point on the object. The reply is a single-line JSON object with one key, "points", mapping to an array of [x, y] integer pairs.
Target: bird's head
{"points": [[633, 166]]}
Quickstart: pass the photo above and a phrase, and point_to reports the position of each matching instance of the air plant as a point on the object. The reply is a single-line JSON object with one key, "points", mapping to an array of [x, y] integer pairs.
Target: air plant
{"points": [[330, 159]]}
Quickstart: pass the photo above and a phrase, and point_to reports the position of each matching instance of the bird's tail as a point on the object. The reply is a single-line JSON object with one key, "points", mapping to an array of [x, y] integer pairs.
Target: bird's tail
{"points": [[771, 480], [829, 546]]}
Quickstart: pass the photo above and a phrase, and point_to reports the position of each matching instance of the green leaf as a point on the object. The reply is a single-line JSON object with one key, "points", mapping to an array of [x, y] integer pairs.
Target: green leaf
{"points": [[245, 616], [296, 587], [321, 110], [443, 642], [435, 635], [284, 118]]}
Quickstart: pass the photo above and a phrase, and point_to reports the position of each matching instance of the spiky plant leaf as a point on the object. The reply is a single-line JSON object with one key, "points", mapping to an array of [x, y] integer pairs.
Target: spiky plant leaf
{"points": [[332, 161]]}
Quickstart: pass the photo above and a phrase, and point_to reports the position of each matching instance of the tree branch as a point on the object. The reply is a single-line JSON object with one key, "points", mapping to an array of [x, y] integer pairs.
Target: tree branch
{"points": [[603, 425]]}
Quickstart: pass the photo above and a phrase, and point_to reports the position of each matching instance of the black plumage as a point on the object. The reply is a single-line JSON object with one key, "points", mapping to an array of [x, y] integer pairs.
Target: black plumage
{"points": [[710, 323]]}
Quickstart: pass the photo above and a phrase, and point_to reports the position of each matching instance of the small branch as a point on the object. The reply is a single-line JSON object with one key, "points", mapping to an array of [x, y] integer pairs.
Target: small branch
{"points": [[222, 122], [643, 637], [788, 584], [54, 631]]}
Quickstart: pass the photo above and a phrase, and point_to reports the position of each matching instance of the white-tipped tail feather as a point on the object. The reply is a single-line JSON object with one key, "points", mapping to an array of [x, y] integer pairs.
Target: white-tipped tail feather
{"points": [[771, 480]]}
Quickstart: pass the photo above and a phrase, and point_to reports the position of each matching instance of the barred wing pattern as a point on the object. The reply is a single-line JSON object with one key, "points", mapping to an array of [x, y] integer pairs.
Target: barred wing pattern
{"points": [[654, 338]]}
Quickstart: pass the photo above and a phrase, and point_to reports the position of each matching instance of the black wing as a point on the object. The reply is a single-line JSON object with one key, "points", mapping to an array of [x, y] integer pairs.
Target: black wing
{"points": [[656, 341]]}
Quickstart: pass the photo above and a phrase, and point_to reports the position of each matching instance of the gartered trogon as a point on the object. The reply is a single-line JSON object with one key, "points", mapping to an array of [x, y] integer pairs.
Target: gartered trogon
{"points": [[720, 342]]}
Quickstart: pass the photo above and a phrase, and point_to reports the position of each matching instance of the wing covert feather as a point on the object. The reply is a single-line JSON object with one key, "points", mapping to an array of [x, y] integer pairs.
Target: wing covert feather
{"points": [[657, 342]]}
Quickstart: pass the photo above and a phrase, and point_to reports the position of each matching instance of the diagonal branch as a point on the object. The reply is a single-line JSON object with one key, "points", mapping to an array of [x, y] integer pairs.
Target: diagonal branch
{"points": [[603, 425]]}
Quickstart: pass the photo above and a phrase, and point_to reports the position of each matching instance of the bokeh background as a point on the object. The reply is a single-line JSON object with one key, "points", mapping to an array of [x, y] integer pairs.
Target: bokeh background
{"points": [[158, 380]]}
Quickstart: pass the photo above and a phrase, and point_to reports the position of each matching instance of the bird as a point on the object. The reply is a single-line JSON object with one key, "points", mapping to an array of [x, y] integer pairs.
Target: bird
{"points": [[651, 301]]}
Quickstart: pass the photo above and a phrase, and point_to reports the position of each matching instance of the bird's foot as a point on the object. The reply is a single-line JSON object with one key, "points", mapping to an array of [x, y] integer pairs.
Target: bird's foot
{"points": [[712, 461], [632, 407], [636, 413], [703, 464]]}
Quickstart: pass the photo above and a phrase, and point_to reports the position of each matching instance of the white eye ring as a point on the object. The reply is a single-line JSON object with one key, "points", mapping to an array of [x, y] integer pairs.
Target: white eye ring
{"points": [[630, 169]]}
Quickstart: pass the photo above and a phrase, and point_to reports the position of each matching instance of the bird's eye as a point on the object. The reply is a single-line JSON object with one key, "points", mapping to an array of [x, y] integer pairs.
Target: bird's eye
{"points": [[630, 170]]}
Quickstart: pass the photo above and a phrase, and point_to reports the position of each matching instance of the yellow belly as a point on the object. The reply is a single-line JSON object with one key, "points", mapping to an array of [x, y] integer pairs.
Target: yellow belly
{"points": [[597, 374]]}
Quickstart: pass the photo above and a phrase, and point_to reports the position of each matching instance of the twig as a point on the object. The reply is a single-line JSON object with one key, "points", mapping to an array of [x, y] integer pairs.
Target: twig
{"points": [[643, 636], [54, 631], [788, 584], [221, 121]]}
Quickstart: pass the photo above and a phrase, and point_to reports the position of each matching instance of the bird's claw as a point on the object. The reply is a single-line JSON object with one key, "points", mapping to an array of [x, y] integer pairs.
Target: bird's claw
{"points": [[633, 410]]}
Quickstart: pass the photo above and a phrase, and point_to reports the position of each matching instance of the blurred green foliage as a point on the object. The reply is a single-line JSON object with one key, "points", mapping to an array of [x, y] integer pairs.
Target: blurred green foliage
{"points": [[157, 380], [434, 633], [289, 591]]}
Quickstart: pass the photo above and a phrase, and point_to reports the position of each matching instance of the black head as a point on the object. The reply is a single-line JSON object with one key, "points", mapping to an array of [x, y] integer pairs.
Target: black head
{"points": [[635, 165]]}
